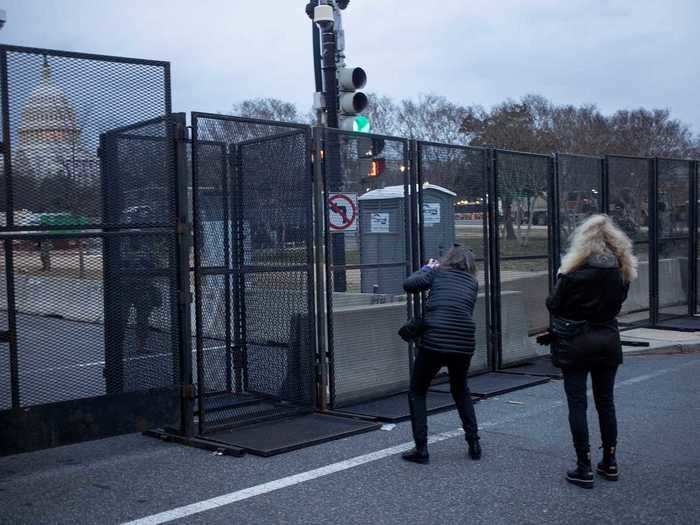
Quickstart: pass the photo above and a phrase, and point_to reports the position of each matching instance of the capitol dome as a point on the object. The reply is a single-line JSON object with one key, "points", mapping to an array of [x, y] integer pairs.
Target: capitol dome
{"points": [[47, 114], [49, 138]]}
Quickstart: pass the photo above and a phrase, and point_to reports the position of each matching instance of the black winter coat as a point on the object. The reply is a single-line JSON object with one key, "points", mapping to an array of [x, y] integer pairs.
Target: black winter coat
{"points": [[594, 293], [449, 309]]}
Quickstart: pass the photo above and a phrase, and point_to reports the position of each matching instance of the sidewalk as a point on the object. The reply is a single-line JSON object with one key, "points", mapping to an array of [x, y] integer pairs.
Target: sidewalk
{"points": [[660, 342]]}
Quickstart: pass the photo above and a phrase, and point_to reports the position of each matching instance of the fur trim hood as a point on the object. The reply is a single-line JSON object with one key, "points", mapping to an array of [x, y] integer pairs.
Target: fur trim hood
{"points": [[597, 241]]}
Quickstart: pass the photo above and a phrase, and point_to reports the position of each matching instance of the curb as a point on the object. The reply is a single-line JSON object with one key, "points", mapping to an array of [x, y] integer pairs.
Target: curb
{"points": [[681, 348]]}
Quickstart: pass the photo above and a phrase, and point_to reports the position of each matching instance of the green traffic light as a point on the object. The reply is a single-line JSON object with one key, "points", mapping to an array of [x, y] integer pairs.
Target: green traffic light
{"points": [[361, 124]]}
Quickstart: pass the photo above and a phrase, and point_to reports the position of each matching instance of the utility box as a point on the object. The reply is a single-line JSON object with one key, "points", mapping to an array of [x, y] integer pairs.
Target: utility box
{"points": [[384, 230]]}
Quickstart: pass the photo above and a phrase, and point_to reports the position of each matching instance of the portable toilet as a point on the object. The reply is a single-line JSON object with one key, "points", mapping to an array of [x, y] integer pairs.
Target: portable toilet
{"points": [[438, 221], [383, 225], [383, 233]]}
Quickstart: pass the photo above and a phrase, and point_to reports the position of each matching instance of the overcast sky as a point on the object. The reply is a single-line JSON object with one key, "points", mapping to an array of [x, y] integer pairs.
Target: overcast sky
{"points": [[616, 54]]}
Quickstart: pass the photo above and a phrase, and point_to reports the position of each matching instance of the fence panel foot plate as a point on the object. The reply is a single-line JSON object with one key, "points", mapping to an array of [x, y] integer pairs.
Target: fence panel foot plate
{"points": [[540, 366], [277, 436], [394, 409], [681, 324], [496, 383]]}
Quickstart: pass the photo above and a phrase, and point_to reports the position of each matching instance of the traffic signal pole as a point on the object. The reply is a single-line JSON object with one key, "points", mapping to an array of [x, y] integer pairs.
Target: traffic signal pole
{"points": [[330, 82], [325, 18]]}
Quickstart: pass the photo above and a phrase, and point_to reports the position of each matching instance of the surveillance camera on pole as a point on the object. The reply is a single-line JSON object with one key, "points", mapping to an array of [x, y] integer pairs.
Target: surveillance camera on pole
{"points": [[324, 18], [3, 18]]}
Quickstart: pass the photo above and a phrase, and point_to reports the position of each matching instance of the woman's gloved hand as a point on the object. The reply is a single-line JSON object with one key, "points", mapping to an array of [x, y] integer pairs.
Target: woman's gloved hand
{"points": [[544, 339], [432, 264]]}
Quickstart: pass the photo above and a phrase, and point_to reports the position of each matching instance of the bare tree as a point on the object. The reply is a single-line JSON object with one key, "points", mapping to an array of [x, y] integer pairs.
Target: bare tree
{"points": [[650, 133], [383, 114], [535, 124], [432, 118], [531, 123], [268, 109]]}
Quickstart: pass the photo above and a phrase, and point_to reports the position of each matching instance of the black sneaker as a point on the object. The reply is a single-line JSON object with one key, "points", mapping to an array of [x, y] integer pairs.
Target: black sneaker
{"points": [[417, 455]]}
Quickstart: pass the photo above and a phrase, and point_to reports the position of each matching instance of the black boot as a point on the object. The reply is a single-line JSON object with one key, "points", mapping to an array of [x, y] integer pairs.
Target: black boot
{"points": [[608, 467], [419, 454], [474, 449], [582, 475]]}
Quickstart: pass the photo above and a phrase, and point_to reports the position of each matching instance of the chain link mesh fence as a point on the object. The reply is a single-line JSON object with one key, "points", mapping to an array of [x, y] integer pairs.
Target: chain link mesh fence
{"points": [[628, 205], [368, 256], [673, 233], [523, 185], [254, 269], [580, 189], [59, 106], [6, 379], [453, 194], [696, 255]]}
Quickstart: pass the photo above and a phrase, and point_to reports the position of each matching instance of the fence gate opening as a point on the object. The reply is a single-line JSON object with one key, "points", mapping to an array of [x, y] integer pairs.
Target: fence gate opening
{"points": [[253, 270], [255, 334]]}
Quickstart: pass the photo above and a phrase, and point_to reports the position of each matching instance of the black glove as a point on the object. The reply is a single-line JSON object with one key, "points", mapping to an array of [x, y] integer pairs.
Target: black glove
{"points": [[544, 339]]}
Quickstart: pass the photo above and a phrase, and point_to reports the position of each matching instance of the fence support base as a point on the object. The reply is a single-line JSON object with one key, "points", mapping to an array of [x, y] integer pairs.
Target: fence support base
{"points": [[170, 435]]}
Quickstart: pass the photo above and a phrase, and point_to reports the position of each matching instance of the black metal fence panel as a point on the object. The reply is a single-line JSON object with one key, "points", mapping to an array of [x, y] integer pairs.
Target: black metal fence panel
{"points": [[59, 105], [89, 309], [695, 238], [579, 188], [368, 256], [524, 185], [253, 218], [629, 183], [452, 182], [6, 379], [673, 236]]}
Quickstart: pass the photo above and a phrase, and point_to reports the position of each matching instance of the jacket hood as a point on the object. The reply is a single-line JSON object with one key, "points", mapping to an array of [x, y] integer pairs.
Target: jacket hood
{"points": [[603, 260]]}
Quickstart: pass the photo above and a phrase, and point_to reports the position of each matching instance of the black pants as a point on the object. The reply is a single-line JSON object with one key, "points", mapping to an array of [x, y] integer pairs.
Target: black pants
{"points": [[427, 365], [603, 379]]}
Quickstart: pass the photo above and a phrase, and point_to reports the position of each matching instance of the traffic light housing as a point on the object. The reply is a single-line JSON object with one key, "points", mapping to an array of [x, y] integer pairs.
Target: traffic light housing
{"points": [[351, 101]]}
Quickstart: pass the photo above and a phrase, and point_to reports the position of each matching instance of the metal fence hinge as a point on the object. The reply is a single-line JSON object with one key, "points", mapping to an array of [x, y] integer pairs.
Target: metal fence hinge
{"points": [[187, 391], [182, 228], [182, 132]]}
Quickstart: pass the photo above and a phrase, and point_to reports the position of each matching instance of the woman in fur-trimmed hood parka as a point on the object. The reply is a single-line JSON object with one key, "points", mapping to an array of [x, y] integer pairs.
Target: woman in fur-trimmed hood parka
{"points": [[592, 284]]}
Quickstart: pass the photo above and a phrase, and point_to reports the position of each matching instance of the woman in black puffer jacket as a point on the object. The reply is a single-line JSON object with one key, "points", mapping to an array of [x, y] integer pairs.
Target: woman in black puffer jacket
{"points": [[592, 285], [448, 340]]}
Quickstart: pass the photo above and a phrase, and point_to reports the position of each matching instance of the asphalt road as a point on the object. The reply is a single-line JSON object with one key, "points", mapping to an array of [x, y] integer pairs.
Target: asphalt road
{"points": [[520, 480]]}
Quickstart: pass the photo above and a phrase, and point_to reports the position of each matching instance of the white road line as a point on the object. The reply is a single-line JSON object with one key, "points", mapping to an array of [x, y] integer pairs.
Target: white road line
{"points": [[271, 486]]}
